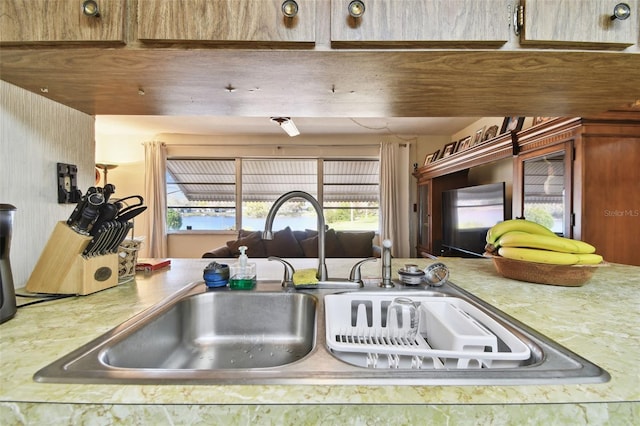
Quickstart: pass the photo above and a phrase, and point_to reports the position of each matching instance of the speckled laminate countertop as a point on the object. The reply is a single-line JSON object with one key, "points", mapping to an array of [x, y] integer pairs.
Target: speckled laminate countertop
{"points": [[600, 321]]}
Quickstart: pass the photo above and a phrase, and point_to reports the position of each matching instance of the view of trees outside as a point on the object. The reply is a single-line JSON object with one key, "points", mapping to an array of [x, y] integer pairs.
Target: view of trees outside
{"points": [[361, 216]]}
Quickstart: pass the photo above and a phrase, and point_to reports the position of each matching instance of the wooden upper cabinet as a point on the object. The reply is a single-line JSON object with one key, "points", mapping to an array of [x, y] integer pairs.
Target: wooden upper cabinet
{"points": [[421, 23], [24, 22], [225, 21], [577, 24]]}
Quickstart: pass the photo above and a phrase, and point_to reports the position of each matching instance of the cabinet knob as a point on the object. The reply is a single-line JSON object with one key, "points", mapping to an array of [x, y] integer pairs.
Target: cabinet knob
{"points": [[289, 8], [622, 11], [356, 8], [90, 8]]}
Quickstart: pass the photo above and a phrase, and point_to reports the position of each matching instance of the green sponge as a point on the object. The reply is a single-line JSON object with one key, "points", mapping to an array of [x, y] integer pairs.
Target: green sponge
{"points": [[305, 277]]}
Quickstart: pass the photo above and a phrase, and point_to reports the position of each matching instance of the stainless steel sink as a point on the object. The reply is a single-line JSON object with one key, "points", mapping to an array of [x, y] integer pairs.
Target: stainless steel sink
{"points": [[221, 330], [275, 336]]}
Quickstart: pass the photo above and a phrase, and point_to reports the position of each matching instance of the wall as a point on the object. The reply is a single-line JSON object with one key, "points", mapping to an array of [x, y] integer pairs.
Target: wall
{"points": [[36, 134], [427, 144]]}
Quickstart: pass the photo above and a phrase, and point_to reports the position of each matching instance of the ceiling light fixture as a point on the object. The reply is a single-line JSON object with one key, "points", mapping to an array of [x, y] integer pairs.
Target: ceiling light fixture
{"points": [[287, 125]]}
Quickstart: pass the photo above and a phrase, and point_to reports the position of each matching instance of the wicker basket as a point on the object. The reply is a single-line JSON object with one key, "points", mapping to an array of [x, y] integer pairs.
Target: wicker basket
{"points": [[541, 273], [128, 258]]}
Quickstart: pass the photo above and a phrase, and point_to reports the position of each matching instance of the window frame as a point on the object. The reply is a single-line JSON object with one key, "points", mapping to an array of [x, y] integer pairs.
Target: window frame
{"points": [[320, 161]]}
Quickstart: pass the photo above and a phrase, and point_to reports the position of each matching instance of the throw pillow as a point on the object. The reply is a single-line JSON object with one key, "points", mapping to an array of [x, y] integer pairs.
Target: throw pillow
{"points": [[311, 233], [283, 244], [310, 246], [356, 244], [332, 247], [245, 233], [300, 235], [253, 242]]}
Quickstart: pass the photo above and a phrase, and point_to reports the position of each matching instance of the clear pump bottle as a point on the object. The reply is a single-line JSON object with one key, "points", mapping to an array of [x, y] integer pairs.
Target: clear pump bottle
{"points": [[242, 273]]}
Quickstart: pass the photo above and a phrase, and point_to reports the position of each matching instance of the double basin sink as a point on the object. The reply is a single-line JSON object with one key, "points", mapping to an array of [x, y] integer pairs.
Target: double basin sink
{"points": [[279, 336]]}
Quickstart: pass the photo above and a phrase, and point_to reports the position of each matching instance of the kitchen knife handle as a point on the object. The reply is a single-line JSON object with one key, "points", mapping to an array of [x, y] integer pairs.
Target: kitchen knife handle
{"points": [[89, 213], [77, 212], [107, 191]]}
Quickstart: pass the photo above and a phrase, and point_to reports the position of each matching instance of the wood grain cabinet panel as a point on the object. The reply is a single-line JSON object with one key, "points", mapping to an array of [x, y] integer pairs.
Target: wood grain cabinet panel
{"points": [[578, 24], [25, 22], [224, 21], [421, 23]]}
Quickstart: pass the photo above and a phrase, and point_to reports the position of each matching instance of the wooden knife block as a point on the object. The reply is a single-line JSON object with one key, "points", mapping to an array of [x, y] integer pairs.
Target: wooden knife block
{"points": [[61, 268]]}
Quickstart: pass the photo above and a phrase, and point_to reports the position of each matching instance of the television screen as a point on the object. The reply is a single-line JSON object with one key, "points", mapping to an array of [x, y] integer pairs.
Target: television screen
{"points": [[467, 215]]}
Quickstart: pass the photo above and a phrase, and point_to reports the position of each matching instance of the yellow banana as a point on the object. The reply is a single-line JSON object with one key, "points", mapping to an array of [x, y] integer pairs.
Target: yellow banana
{"points": [[589, 259], [523, 225], [584, 248], [538, 256], [544, 242]]}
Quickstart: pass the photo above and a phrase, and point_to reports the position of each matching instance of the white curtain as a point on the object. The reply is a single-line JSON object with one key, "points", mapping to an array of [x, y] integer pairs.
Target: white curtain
{"points": [[394, 197], [155, 155]]}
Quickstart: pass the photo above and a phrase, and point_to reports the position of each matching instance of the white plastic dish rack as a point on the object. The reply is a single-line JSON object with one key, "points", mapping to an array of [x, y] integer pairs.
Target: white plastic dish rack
{"points": [[452, 334]]}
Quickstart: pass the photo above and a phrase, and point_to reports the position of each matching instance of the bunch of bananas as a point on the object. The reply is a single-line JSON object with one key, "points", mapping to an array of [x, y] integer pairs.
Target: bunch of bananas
{"points": [[522, 239]]}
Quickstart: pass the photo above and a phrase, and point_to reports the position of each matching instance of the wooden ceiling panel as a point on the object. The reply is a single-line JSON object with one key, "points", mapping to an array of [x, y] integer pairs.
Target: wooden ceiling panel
{"points": [[257, 83]]}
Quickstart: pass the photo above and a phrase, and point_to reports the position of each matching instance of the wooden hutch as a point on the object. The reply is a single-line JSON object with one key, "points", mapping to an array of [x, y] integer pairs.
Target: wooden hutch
{"points": [[599, 177]]}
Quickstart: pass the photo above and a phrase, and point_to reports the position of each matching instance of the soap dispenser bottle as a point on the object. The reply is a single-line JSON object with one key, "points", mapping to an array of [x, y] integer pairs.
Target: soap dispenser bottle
{"points": [[242, 273]]}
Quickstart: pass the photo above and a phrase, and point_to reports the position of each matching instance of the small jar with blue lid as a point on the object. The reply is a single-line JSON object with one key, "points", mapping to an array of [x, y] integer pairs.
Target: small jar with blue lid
{"points": [[216, 275]]}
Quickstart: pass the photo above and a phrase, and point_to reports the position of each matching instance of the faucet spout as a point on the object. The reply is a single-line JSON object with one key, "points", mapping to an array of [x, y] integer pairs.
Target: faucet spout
{"points": [[268, 233]]}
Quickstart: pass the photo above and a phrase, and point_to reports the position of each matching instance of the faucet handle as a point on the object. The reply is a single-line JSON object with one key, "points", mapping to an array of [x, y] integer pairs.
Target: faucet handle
{"points": [[288, 271], [355, 275]]}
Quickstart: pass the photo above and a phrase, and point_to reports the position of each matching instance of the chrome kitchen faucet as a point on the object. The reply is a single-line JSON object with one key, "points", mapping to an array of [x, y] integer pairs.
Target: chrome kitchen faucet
{"points": [[268, 234]]}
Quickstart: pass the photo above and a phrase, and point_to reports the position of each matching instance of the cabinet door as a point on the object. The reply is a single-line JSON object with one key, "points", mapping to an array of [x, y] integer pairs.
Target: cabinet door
{"points": [[421, 23], [569, 23], [60, 21], [609, 196], [543, 188], [224, 21]]}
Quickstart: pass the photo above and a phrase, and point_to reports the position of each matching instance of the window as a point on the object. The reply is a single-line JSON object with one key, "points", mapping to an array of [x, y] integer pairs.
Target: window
{"points": [[229, 194], [264, 180], [351, 194], [201, 194]]}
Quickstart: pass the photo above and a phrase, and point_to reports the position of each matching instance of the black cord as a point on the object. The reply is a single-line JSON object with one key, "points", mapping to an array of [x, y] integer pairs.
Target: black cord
{"points": [[42, 299]]}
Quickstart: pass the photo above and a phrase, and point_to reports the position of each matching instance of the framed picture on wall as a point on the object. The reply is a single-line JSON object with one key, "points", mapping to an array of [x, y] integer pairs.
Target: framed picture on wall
{"points": [[430, 158], [464, 143], [449, 149], [539, 120], [490, 133], [512, 124], [477, 139]]}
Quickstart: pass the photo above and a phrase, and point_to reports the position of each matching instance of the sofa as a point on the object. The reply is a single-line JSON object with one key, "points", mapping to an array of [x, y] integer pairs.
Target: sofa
{"points": [[291, 244]]}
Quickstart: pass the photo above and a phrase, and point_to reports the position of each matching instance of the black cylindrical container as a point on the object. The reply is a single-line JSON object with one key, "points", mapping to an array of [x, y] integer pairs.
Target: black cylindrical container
{"points": [[8, 294]]}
